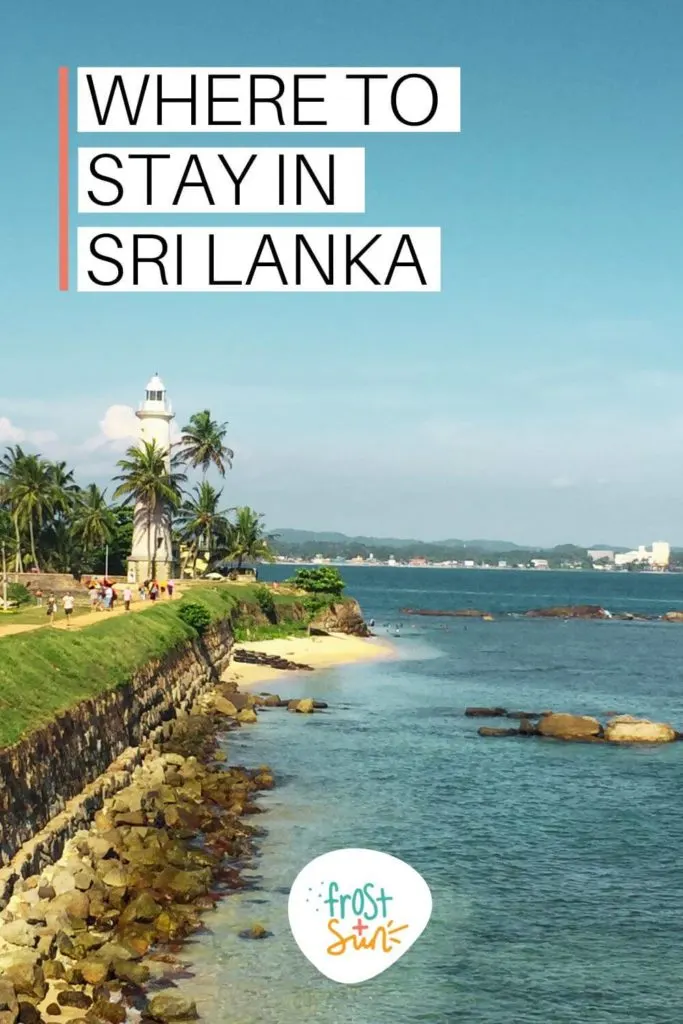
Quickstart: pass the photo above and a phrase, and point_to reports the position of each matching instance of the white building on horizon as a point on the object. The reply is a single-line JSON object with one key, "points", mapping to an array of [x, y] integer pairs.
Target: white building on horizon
{"points": [[598, 554], [658, 557], [152, 552]]}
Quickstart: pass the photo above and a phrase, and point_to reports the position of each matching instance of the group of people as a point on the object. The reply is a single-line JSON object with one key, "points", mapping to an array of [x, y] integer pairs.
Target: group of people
{"points": [[153, 590], [67, 605], [103, 594], [103, 597]]}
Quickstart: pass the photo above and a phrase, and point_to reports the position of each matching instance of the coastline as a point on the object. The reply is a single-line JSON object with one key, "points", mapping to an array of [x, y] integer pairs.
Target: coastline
{"points": [[315, 651], [102, 927]]}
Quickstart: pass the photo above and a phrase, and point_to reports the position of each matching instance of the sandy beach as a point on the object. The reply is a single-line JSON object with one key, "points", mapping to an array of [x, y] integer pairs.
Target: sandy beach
{"points": [[316, 651]]}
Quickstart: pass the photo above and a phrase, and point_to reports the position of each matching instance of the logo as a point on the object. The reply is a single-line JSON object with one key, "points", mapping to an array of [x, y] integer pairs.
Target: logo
{"points": [[354, 913]]}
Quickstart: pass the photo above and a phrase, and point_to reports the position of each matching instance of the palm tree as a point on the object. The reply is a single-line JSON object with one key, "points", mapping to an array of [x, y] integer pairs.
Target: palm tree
{"points": [[202, 444], [247, 540], [32, 495], [9, 466], [67, 490], [202, 524], [93, 523], [147, 482]]}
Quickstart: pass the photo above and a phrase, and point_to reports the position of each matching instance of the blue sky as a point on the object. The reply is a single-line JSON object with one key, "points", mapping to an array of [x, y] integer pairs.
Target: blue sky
{"points": [[536, 398]]}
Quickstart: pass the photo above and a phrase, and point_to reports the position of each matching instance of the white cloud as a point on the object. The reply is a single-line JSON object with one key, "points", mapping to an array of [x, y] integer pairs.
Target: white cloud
{"points": [[119, 427], [10, 433], [120, 423]]}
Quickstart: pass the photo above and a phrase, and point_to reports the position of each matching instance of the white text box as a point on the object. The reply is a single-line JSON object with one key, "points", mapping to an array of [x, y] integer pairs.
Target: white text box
{"points": [[358, 259], [239, 99], [227, 180]]}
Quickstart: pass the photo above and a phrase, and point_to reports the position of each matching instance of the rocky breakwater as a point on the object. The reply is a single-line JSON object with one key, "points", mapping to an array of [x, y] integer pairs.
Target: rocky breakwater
{"points": [[99, 931], [244, 708], [457, 613], [572, 611], [50, 775], [269, 660], [577, 728]]}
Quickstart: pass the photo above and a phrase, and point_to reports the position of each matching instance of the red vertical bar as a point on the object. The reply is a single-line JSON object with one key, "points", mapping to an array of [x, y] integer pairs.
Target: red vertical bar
{"points": [[63, 117]]}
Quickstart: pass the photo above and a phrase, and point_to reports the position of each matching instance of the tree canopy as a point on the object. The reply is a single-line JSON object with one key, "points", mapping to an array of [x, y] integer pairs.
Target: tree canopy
{"points": [[50, 522]]}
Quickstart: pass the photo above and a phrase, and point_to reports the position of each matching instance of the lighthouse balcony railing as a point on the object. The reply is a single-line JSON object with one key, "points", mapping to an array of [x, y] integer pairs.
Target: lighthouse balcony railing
{"points": [[155, 405]]}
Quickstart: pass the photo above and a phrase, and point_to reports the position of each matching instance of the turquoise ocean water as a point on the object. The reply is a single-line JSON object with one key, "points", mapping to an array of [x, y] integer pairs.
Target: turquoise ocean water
{"points": [[556, 869]]}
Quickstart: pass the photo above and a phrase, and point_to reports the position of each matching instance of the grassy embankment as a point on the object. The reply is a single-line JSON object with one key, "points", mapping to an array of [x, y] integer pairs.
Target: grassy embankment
{"points": [[45, 671]]}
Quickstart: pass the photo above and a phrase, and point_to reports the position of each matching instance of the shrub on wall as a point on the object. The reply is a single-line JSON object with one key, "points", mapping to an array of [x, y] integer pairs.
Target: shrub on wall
{"points": [[195, 615], [266, 603]]}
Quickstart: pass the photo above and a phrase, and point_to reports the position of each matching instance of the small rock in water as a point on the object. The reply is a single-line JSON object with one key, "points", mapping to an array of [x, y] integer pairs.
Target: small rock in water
{"points": [[257, 931], [303, 707], [627, 729], [569, 727], [527, 727], [170, 1008], [487, 730], [485, 712]]}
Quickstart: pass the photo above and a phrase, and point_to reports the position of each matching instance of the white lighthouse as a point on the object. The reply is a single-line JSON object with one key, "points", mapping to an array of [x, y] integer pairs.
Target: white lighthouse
{"points": [[152, 548]]}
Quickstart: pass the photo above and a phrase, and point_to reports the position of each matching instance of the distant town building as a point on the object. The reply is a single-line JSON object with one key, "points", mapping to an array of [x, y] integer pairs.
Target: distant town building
{"points": [[658, 557], [540, 563], [661, 554], [600, 555]]}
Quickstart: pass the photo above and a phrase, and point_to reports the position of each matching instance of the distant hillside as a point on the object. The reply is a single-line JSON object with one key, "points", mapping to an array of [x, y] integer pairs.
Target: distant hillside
{"points": [[306, 543], [288, 536]]}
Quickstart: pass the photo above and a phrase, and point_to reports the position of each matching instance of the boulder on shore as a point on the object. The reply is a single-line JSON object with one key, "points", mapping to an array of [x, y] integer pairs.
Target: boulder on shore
{"points": [[569, 727], [627, 729]]}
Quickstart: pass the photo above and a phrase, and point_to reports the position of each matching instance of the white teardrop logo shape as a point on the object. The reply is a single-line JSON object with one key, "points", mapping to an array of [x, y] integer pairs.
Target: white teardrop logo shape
{"points": [[354, 913]]}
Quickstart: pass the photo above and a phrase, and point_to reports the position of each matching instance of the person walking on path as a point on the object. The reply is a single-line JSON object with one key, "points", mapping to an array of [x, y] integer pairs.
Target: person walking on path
{"points": [[171, 586], [68, 603], [39, 598], [51, 608], [127, 598]]}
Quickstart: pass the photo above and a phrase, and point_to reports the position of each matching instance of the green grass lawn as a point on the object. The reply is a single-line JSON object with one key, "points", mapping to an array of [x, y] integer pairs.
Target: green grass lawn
{"points": [[30, 615], [45, 671]]}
